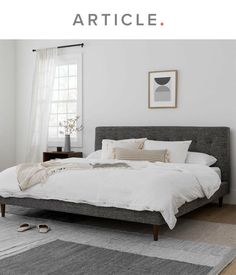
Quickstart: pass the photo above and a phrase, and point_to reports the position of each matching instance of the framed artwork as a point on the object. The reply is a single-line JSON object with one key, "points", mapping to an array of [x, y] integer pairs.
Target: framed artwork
{"points": [[162, 89]]}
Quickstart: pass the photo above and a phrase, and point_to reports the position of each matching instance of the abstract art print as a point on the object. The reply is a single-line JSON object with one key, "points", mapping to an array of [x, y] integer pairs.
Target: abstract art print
{"points": [[162, 89]]}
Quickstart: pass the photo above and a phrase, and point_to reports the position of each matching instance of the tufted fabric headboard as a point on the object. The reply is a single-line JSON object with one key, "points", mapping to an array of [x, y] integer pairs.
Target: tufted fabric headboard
{"points": [[211, 140]]}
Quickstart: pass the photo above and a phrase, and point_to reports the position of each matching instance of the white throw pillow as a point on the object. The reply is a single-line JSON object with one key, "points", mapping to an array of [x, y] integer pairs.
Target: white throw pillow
{"points": [[95, 155], [177, 150], [200, 158], [108, 145]]}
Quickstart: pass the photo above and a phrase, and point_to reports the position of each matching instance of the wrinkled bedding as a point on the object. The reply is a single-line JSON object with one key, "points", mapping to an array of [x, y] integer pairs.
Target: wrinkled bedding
{"points": [[162, 187]]}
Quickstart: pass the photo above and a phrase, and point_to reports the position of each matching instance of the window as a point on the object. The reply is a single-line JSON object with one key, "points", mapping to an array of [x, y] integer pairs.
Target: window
{"points": [[66, 100]]}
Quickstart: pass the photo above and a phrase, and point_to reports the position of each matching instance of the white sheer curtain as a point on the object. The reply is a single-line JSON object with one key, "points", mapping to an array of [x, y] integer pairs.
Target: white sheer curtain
{"points": [[44, 74]]}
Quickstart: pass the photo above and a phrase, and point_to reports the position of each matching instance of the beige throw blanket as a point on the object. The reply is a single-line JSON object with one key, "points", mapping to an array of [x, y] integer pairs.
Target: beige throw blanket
{"points": [[30, 174]]}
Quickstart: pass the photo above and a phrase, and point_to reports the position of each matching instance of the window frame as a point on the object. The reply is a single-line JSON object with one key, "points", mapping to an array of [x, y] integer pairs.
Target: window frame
{"points": [[67, 59]]}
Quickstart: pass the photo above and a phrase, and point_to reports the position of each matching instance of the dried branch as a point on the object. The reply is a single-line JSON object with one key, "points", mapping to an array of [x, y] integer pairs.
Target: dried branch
{"points": [[70, 126]]}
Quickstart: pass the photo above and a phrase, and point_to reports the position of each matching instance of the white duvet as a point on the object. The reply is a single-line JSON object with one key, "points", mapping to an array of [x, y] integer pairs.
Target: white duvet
{"points": [[162, 187]]}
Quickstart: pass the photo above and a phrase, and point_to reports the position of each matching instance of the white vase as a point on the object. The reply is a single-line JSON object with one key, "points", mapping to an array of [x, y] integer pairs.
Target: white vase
{"points": [[67, 147]]}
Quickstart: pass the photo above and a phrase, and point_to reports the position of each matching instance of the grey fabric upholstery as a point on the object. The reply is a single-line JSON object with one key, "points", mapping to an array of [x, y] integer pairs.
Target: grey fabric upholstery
{"points": [[211, 140], [110, 212]]}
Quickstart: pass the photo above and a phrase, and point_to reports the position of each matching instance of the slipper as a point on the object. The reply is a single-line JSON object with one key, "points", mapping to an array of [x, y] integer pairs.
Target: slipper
{"points": [[24, 227], [43, 228]]}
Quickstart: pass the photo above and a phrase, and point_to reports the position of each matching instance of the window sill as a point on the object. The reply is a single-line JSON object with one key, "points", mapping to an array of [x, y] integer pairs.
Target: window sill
{"points": [[61, 143]]}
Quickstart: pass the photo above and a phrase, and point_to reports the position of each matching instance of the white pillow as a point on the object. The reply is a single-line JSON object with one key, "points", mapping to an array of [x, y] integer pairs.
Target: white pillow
{"points": [[95, 155], [200, 158], [108, 145], [177, 150]]}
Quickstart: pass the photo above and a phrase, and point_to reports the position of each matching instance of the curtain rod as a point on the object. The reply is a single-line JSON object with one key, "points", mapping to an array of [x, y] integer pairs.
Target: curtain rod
{"points": [[65, 46]]}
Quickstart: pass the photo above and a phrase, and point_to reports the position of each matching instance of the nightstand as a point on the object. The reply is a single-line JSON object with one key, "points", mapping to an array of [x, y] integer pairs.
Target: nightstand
{"points": [[61, 155]]}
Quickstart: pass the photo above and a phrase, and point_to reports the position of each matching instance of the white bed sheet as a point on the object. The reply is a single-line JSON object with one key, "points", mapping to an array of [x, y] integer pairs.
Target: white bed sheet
{"points": [[162, 187], [217, 170]]}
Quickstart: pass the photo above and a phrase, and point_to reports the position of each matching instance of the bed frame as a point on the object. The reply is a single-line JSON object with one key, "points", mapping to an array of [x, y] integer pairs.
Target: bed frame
{"points": [[210, 140]]}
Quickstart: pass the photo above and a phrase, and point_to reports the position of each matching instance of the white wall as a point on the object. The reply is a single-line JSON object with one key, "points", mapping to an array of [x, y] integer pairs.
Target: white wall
{"points": [[7, 104], [115, 75]]}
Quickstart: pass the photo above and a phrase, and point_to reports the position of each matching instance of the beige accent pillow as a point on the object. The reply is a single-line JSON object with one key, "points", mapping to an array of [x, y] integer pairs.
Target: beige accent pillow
{"points": [[108, 145], [141, 155]]}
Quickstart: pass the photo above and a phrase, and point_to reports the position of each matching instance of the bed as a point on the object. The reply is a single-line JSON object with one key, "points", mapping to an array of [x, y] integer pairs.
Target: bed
{"points": [[211, 140]]}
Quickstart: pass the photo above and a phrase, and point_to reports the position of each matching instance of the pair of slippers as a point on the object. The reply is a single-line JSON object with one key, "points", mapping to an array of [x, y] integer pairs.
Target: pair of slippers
{"points": [[42, 228]]}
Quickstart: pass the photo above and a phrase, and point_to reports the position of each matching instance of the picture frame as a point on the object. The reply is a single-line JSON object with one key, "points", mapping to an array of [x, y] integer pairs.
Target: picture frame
{"points": [[162, 89]]}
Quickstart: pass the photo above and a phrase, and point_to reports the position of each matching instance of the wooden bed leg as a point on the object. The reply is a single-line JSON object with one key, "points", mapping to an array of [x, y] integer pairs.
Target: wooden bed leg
{"points": [[221, 202], [155, 232], [3, 209]]}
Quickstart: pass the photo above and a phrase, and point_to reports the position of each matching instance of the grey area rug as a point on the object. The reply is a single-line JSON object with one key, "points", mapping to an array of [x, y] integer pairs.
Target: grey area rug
{"points": [[60, 257], [122, 237]]}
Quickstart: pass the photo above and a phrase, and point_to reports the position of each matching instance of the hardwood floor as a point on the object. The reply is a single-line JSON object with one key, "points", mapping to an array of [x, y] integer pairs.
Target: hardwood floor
{"points": [[230, 269], [212, 213]]}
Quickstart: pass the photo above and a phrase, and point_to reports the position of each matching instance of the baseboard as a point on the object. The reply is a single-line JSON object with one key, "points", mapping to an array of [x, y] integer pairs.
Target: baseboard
{"points": [[231, 198]]}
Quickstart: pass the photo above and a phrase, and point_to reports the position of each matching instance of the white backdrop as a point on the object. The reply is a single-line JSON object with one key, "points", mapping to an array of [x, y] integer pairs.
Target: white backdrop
{"points": [[37, 19], [7, 104]]}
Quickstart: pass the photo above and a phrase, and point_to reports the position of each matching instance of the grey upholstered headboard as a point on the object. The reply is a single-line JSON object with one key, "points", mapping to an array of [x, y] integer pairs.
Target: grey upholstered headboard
{"points": [[211, 140]]}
